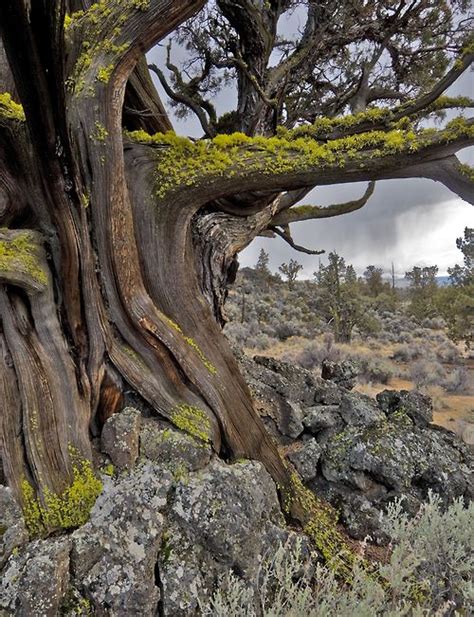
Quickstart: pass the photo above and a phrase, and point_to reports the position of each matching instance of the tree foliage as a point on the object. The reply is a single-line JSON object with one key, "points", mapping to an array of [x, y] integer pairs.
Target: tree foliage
{"points": [[290, 271]]}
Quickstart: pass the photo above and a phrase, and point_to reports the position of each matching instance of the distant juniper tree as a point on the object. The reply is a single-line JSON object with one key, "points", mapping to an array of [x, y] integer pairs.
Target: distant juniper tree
{"points": [[261, 267], [373, 277], [290, 272], [340, 299], [422, 291], [455, 303], [463, 276]]}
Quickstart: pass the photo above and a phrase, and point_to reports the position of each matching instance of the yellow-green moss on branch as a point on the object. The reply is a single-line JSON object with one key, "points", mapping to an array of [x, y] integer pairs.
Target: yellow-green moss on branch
{"points": [[183, 163], [192, 343]]}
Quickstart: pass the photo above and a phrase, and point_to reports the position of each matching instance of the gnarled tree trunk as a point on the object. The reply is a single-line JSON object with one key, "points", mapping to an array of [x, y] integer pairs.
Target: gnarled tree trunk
{"points": [[119, 246], [105, 290]]}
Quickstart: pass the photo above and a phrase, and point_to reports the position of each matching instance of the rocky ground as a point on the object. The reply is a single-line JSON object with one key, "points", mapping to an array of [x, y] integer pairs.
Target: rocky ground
{"points": [[173, 518]]}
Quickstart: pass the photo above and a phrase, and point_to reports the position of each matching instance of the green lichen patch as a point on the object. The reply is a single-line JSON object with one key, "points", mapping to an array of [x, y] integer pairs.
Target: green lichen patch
{"points": [[467, 171], [67, 510], [20, 254], [104, 73], [321, 527], [192, 343], [102, 44], [9, 109], [100, 133], [141, 5], [209, 366], [192, 420]]}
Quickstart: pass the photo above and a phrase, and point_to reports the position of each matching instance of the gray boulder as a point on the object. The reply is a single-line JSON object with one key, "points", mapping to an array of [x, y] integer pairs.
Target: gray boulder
{"points": [[306, 458], [225, 517], [120, 437], [359, 410], [13, 533], [415, 405], [34, 582], [344, 373], [389, 459], [176, 450], [114, 554], [321, 417]]}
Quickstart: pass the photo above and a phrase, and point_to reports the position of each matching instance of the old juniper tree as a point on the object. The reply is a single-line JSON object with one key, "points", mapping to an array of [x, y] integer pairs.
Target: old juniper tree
{"points": [[118, 237]]}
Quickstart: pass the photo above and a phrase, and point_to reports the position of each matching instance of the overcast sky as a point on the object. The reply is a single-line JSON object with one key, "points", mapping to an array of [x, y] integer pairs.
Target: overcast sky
{"points": [[409, 222]]}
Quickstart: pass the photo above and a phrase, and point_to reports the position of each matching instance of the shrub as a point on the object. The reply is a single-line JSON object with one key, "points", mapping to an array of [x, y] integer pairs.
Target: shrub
{"points": [[458, 380], [314, 354], [373, 368], [426, 373], [428, 573], [408, 353]]}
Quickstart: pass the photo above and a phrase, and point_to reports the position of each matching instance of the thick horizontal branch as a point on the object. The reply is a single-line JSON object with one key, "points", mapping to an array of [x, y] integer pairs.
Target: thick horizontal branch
{"points": [[308, 212], [455, 176], [232, 164]]}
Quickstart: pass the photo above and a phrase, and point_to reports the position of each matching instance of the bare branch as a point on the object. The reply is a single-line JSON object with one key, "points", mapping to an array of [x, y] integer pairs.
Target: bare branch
{"points": [[286, 236], [306, 213], [179, 97]]}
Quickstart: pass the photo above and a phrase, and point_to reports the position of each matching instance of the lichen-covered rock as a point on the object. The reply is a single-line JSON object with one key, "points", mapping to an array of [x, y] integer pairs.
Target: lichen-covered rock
{"points": [[120, 437], [359, 410], [389, 459], [344, 373], [171, 448], [306, 458], [34, 581], [415, 405], [221, 518], [114, 554], [13, 531], [321, 417]]}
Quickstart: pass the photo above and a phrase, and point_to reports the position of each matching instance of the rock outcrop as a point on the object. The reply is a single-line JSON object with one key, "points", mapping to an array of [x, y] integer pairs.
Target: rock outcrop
{"points": [[368, 451], [173, 518]]}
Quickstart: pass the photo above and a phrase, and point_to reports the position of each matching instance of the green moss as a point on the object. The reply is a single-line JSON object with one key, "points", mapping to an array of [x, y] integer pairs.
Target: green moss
{"points": [[182, 162], [104, 73], [85, 200], [192, 343], [192, 420], [141, 5], [9, 109], [321, 527], [466, 170], [67, 510], [108, 470], [99, 53], [20, 254]]}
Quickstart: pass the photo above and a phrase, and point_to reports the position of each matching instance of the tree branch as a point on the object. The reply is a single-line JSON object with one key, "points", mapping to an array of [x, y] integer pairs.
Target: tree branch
{"points": [[408, 109], [232, 164], [179, 97], [306, 213], [455, 176], [286, 236]]}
